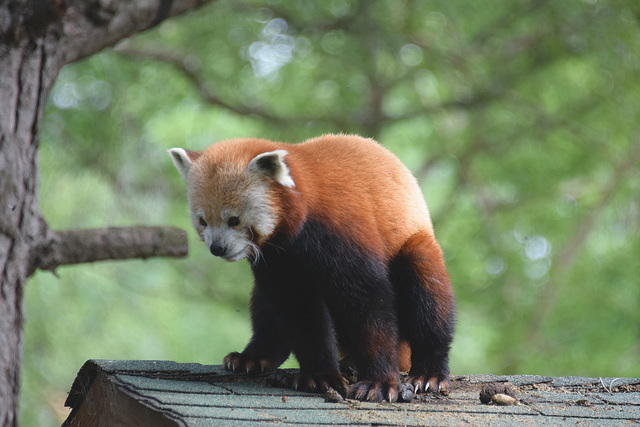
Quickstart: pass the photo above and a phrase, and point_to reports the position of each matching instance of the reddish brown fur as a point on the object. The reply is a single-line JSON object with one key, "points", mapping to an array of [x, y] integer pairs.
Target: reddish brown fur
{"points": [[404, 356], [385, 218], [426, 256]]}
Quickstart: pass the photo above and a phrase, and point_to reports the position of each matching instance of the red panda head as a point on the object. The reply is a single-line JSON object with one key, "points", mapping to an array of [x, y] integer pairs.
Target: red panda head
{"points": [[231, 197]]}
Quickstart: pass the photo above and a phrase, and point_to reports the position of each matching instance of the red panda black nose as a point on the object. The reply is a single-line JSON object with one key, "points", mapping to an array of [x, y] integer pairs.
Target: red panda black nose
{"points": [[217, 250]]}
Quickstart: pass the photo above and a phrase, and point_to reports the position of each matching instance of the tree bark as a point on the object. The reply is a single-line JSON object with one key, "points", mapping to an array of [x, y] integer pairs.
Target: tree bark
{"points": [[37, 38]]}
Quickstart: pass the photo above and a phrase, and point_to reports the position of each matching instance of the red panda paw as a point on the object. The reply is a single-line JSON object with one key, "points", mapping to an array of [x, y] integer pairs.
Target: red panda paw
{"points": [[435, 383], [374, 391], [239, 362]]}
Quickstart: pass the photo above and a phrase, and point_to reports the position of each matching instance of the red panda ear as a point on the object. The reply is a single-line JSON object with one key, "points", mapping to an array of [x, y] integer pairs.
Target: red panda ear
{"points": [[182, 159], [272, 165]]}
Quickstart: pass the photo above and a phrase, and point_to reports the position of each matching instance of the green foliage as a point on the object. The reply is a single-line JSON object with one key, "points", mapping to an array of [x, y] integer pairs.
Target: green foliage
{"points": [[519, 120]]}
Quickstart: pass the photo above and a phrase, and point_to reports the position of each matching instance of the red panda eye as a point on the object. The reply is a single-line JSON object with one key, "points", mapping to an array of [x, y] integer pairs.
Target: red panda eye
{"points": [[233, 221], [202, 222]]}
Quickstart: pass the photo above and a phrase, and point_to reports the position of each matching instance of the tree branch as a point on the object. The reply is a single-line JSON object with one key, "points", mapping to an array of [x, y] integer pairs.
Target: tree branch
{"points": [[90, 26], [193, 74], [185, 65], [113, 243]]}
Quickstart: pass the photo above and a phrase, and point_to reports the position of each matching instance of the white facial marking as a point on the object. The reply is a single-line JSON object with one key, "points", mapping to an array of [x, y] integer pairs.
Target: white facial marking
{"points": [[258, 212]]}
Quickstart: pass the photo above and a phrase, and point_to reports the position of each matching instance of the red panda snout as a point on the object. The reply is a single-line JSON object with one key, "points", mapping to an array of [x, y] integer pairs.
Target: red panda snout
{"points": [[231, 244], [217, 250]]}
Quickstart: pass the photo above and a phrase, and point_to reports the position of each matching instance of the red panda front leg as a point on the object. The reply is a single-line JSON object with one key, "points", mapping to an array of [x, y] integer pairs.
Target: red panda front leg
{"points": [[309, 329], [302, 320], [267, 349], [426, 310]]}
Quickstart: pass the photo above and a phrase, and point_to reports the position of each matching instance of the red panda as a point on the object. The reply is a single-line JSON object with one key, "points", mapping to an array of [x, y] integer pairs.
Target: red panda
{"points": [[343, 255]]}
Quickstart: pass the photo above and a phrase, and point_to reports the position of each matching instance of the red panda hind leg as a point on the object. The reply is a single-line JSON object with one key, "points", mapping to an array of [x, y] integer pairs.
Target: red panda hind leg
{"points": [[426, 310]]}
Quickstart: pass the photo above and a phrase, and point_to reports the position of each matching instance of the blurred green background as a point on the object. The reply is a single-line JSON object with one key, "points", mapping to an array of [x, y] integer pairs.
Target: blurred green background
{"points": [[520, 120]]}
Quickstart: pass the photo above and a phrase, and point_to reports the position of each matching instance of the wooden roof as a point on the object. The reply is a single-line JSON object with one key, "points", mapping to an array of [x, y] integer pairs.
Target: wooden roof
{"points": [[161, 393]]}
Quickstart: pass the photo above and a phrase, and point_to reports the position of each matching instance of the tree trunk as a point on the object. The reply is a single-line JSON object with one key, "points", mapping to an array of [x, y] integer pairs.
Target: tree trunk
{"points": [[37, 38]]}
